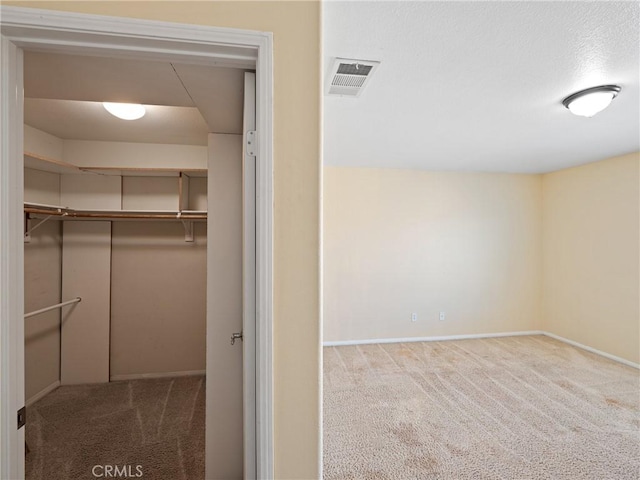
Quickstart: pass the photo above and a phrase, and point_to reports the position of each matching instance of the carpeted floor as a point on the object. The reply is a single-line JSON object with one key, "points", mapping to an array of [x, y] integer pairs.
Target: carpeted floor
{"points": [[503, 408], [157, 424]]}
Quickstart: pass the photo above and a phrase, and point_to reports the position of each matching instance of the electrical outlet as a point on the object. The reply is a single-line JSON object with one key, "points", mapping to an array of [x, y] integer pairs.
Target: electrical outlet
{"points": [[441, 316], [414, 317]]}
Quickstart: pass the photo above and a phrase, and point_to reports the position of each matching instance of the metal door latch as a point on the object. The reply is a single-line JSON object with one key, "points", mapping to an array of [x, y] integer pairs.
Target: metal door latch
{"points": [[235, 336], [22, 417]]}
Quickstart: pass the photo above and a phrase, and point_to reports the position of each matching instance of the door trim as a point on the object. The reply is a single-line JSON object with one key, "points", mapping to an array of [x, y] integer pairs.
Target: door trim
{"points": [[249, 270], [11, 263], [64, 32]]}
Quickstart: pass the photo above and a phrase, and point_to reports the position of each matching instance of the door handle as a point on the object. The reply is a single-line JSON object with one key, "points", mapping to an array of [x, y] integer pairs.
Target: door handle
{"points": [[235, 336]]}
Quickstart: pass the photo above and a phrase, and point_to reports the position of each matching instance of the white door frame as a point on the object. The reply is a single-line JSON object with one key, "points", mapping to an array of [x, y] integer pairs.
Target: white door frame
{"points": [[46, 30], [249, 268]]}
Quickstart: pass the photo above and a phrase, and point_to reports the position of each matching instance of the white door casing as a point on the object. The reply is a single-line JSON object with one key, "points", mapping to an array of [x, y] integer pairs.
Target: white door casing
{"points": [[249, 272], [11, 262], [231, 335], [62, 32]]}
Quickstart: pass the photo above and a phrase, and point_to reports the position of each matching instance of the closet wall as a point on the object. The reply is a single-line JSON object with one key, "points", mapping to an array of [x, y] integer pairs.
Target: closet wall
{"points": [[42, 274], [158, 284], [158, 299], [142, 285]]}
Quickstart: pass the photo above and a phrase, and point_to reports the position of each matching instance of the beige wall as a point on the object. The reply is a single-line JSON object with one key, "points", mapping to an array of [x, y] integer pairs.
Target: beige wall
{"points": [[157, 298], [403, 241], [296, 28], [591, 255], [558, 252], [42, 270]]}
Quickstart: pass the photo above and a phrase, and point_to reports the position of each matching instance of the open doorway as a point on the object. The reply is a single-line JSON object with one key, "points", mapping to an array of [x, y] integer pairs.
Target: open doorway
{"points": [[261, 455], [116, 213]]}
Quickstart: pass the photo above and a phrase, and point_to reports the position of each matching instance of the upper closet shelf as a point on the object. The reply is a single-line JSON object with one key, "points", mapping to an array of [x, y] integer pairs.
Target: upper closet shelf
{"points": [[46, 164], [146, 172]]}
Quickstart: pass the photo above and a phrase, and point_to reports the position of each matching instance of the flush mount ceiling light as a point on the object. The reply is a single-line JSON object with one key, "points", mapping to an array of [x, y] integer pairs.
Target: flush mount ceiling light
{"points": [[587, 103], [125, 111]]}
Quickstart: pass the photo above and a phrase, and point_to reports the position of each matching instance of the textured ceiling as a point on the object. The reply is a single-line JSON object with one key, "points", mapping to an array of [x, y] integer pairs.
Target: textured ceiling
{"points": [[478, 85], [185, 102]]}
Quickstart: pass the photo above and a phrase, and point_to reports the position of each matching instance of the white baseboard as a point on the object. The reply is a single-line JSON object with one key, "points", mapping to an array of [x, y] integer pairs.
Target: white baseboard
{"points": [[42, 393], [140, 376], [429, 339], [481, 335], [593, 350]]}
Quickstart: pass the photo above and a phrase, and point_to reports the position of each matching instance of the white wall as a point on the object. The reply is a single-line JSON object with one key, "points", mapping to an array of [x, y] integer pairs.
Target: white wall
{"points": [[41, 187], [86, 273], [86, 260], [224, 311], [85, 153], [42, 143], [42, 271], [158, 299], [158, 283], [197, 193], [150, 193], [403, 241]]}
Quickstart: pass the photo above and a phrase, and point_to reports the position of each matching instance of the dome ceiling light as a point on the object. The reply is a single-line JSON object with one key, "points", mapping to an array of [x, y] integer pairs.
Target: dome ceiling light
{"points": [[125, 111], [586, 103]]}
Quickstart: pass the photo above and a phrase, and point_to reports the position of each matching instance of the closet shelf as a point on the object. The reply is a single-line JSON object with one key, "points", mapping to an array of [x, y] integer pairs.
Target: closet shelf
{"points": [[47, 164], [65, 213], [145, 172]]}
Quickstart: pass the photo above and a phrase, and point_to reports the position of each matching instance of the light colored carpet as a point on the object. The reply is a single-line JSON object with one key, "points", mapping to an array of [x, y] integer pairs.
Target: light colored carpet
{"points": [[158, 424], [503, 408]]}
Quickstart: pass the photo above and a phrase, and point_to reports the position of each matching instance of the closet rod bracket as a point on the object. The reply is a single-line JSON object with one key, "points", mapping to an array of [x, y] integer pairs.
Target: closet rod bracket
{"points": [[188, 229], [27, 224]]}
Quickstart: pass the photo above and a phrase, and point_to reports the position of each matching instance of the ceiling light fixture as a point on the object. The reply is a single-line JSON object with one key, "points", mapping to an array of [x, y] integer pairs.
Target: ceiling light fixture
{"points": [[125, 111], [587, 103]]}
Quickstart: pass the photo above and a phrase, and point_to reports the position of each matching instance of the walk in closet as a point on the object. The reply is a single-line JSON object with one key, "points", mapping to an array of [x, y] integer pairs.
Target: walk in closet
{"points": [[115, 246], [130, 246]]}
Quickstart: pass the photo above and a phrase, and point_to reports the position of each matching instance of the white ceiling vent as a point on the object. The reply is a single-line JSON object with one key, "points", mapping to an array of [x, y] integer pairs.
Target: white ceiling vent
{"points": [[348, 77]]}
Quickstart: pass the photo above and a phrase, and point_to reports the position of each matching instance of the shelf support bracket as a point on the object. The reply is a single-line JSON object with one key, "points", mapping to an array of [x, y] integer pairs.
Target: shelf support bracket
{"points": [[27, 234], [188, 230], [27, 224]]}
